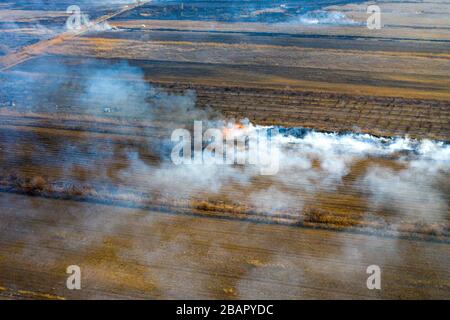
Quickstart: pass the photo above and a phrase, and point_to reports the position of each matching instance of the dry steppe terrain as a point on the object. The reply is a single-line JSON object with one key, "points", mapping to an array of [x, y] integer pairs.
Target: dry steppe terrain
{"points": [[77, 178]]}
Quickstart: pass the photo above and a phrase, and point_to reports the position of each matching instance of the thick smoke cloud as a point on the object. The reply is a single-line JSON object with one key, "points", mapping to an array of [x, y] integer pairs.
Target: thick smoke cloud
{"points": [[310, 162], [412, 191], [321, 17]]}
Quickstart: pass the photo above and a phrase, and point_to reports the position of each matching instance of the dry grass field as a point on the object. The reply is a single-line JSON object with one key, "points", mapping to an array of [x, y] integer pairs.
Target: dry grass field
{"points": [[86, 177]]}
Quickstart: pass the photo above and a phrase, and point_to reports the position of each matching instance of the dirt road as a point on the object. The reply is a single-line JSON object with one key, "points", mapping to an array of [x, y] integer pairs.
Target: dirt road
{"points": [[31, 51]]}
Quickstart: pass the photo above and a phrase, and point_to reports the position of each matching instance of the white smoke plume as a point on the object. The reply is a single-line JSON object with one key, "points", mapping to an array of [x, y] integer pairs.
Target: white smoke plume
{"points": [[311, 162], [322, 17]]}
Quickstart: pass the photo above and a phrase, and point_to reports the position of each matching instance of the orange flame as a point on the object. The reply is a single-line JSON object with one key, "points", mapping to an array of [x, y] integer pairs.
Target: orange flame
{"points": [[232, 130]]}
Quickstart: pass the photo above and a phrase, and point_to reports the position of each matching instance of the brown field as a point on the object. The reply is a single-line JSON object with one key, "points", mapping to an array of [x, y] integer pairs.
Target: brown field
{"points": [[72, 192]]}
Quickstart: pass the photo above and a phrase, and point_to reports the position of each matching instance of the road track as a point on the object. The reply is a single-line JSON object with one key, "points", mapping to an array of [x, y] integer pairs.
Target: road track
{"points": [[32, 51]]}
